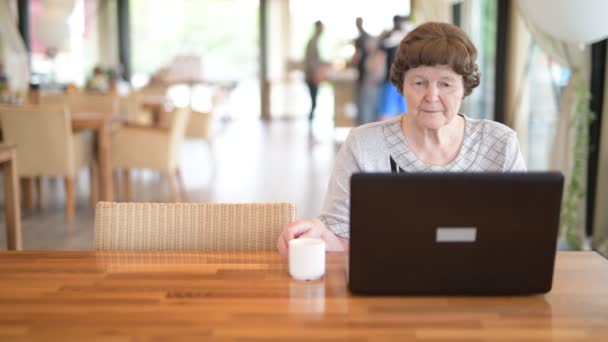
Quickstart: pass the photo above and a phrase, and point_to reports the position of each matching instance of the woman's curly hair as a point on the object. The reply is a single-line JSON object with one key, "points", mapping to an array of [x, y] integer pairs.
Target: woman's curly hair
{"points": [[435, 43]]}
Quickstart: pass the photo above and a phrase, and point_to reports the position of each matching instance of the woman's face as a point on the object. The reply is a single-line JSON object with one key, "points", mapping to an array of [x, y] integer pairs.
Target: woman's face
{"points": [[433, 95]]}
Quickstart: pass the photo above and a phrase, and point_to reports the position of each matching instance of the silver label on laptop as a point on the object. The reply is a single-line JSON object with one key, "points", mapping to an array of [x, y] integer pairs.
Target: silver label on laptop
{"points": [[456, 234]]}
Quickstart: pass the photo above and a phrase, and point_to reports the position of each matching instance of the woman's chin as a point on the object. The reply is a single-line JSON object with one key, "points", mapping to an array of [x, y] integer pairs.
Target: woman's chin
{"points": [[430, 122]]}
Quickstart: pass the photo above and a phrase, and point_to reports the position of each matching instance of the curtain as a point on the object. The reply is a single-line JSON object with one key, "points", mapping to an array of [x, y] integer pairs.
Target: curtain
{"points": [[563, 157], [517, 83], [13, 53]]}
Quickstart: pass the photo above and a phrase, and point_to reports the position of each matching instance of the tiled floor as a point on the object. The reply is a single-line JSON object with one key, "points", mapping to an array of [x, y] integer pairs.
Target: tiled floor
{"points": [[249, 161]]}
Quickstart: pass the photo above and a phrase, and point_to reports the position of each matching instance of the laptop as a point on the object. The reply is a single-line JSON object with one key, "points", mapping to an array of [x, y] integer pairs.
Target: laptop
{"points": [[453, 233]]}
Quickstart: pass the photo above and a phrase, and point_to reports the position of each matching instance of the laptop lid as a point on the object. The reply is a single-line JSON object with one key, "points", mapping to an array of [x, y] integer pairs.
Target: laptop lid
{"points": [[453, 233]]}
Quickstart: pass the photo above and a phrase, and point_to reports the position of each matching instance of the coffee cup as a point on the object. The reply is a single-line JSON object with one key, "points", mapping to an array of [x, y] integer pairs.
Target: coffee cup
{"points": [[307, 258]]}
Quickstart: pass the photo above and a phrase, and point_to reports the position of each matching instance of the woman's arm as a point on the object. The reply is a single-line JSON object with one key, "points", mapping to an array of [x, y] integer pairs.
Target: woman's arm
{"points": [[332, 224]]}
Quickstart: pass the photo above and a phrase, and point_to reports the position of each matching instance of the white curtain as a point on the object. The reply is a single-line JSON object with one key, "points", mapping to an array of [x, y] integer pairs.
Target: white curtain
{"points": [[432, 10], [517, 82], [13, 53], [563, 158]]}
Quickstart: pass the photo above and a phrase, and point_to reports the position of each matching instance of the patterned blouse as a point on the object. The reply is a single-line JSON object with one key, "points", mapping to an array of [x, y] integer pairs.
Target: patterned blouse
{"points": [[383, 147]]}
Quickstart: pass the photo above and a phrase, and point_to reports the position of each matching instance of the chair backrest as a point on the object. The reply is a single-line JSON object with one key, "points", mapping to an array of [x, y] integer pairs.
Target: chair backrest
{"points": [[54, 99], [43, 135], [179, 121], [190, 226], [130, 106], [92, 102], [200, 125]]}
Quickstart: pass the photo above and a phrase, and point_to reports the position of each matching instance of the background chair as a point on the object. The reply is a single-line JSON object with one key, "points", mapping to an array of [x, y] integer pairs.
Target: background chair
{"points": [[47, 146], [200, 126], [135, 147], [154, 100], [132, 109], [190, 226], [83, 102], [93, 102]]}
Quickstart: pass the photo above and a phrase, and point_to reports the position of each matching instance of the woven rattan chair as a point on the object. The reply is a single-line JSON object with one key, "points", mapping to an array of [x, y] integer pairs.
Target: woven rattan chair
{"points": [[190, 226]]}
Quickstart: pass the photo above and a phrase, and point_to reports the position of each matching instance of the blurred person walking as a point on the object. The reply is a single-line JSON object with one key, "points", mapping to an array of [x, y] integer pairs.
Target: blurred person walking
{"points": [[366, 88], [391, 103], [315, 69]]}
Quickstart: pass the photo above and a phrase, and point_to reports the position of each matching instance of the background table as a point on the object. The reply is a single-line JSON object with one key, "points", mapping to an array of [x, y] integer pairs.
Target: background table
{"points": [[250, 296]]}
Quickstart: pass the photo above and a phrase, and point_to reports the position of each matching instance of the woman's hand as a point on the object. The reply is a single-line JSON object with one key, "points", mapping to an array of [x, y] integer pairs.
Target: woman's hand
{"points": [[308, 228]]}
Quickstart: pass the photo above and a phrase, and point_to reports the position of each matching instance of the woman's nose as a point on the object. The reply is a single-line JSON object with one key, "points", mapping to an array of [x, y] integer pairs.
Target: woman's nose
{"points": [[431, 94]]}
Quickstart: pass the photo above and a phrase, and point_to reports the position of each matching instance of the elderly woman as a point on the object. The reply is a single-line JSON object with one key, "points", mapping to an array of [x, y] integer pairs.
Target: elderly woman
{"points": [[435, 70]]}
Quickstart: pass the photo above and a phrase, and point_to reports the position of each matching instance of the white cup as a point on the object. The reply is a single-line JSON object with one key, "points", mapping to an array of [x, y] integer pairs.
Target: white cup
{"points": [[306, 258]]}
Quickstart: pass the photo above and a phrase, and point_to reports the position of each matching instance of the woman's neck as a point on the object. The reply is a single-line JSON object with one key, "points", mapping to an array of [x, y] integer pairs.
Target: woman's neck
{"points": [[434, 146]]}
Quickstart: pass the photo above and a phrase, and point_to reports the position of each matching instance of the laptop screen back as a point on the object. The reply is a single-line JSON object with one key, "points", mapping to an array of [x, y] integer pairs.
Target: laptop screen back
{"points": [[453, 233]]}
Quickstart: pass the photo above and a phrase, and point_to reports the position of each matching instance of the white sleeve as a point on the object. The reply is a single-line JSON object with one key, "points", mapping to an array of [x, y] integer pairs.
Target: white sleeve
{"points": [[514, 161], [335, 213]]}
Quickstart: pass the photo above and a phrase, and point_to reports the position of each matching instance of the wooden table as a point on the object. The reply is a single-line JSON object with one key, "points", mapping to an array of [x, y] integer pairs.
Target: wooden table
{"points": [[12, 207], [99, 123], [250, 296]]}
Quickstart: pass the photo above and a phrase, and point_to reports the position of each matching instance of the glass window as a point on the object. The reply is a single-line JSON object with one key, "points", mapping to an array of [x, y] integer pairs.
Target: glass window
{"points": [[222, 34], [339, 19], [336, 47], [63, 40], [479, 21]]}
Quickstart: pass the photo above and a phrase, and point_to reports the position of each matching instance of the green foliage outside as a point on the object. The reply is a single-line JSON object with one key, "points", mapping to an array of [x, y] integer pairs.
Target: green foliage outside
{"points": [[575, 192], [224, 33]]}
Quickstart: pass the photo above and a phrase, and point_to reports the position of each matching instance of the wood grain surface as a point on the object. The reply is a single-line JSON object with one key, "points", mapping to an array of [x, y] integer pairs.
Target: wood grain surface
{"points": [[126, 296]]}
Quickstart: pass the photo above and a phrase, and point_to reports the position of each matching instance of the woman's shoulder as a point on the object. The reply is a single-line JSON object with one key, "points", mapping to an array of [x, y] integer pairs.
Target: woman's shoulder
{"points": [[372, 137], [488, 128], [375, 129], [495, 146]]}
